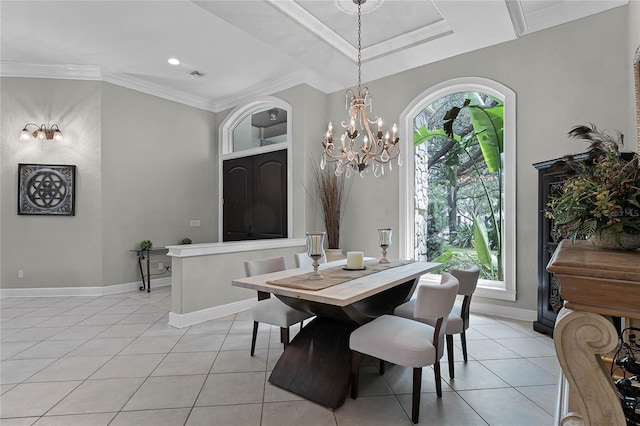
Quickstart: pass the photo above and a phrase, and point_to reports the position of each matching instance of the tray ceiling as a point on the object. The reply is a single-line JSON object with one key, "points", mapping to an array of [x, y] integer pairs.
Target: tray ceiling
{"points": [[248, 48]]}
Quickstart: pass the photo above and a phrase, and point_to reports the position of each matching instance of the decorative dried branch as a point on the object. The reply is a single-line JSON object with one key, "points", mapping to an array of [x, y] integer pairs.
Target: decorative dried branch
{"points": [[330, 189]]}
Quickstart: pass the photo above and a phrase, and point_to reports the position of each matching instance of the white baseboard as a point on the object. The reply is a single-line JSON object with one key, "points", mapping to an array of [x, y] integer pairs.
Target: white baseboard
{"points": [[80, 291], [503, 311], [191, 318]]}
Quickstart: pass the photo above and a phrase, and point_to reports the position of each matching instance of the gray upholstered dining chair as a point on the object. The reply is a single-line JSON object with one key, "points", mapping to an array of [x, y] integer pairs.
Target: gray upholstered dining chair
{"points": [[303, 260], [458, 321], [406, 342], [270, 310]]}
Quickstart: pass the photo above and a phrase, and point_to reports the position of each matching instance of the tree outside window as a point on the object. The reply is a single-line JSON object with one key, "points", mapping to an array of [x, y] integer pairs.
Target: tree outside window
{"points": [[459, 164]]}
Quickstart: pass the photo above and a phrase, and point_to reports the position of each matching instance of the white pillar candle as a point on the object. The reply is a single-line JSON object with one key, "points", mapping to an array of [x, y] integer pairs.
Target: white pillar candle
{"points": [[355, 260]]}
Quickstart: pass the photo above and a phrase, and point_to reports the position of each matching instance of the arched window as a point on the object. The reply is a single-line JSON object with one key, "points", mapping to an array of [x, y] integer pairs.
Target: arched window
{"points": [[255, 178], [455, 190]]}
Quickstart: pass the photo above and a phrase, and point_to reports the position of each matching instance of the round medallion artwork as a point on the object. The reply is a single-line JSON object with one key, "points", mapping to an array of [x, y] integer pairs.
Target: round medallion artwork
{"points": [[46, 190]]}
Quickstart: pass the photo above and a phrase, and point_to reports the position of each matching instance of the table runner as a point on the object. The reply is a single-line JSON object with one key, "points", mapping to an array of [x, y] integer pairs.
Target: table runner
{"points": [[336, 275]]}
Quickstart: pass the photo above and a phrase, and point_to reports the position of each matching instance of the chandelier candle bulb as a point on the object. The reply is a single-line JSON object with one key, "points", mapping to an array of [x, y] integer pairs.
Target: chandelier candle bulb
{"points": [[355, 260]]}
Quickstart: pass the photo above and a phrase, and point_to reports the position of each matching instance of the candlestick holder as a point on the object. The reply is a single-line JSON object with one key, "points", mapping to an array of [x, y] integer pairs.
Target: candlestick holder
{"points": [[315, 250], [384, 242]]}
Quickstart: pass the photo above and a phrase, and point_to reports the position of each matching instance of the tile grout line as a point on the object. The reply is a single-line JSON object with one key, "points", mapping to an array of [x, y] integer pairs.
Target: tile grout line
{"points": [[88, 378]]}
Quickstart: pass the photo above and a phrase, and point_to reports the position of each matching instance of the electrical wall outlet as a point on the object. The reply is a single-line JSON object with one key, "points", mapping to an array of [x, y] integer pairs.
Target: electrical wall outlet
{"points": [[160, 266], [194, 223], [20, 273]]}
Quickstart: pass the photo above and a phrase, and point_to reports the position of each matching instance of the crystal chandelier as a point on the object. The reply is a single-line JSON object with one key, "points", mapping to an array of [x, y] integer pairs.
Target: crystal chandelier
{"points": [[376, 149]]}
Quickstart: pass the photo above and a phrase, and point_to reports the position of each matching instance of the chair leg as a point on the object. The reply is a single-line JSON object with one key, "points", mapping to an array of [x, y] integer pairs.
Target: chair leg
{"points": [[463, 339], [415, 402], [253, 337], [450, 354], [381, 368], [284, 336], [436, 372], [355, 373]]}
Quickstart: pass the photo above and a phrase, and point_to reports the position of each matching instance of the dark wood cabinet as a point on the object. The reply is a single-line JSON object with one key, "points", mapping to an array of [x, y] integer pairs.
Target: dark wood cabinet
{"points": [[549, 301], [255, 197], [550, 179]]}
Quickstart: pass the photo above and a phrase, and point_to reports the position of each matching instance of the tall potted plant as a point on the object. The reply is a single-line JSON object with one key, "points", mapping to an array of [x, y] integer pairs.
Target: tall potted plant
{"points": [[330, 190]]}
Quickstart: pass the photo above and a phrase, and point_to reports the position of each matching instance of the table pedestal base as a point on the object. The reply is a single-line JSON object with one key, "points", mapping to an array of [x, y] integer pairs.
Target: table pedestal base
{"points": [[317, 363]]}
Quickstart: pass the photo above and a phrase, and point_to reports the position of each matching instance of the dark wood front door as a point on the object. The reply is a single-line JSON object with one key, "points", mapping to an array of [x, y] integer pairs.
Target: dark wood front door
{"points": [[255, 197]]}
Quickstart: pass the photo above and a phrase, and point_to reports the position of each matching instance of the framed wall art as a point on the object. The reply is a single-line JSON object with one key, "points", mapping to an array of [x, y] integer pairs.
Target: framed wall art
{"points": [[46, 189]]}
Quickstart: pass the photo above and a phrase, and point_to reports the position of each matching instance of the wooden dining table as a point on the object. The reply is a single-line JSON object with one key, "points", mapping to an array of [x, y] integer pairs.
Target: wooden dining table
{"points": [[317, 362]]}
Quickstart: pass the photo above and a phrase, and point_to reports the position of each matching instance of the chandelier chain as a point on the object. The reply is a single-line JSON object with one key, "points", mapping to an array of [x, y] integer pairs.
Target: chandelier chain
{"points": [[359, 48]]}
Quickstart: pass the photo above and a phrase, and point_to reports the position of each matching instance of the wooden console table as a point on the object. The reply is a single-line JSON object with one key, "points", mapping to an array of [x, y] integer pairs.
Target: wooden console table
{"points": [[595, 284]]}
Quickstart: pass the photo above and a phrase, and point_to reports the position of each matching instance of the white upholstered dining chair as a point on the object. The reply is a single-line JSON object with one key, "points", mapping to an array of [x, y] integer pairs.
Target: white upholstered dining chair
{"points": [[458, 321], [406, 342], [270, 310]]}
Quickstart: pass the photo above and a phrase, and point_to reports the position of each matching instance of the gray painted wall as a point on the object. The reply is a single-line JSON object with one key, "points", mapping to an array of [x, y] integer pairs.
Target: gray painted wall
{"points": [[145, 167], [159, 168], [52, 251], [633, 38], [570, 74]]}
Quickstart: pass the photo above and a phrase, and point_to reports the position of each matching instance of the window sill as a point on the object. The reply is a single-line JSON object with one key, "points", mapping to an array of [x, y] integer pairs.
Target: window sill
{"points": [[486, 288]]}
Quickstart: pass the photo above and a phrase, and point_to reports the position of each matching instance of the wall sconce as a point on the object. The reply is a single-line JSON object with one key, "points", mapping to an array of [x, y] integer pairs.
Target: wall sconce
{"points": [[41, 132]]}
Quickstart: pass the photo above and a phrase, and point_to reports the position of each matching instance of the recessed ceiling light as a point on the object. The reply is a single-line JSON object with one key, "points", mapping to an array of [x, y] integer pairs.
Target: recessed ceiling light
{"points": [[174, 61]]}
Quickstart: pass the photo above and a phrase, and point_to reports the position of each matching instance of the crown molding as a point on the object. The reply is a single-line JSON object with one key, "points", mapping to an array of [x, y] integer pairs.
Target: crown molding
{"points": [[299, 15], [65, 72], [269, 87], [421, 35], [133, 83], [562, 12], [81, 72], [518, 19], [314, 25]]}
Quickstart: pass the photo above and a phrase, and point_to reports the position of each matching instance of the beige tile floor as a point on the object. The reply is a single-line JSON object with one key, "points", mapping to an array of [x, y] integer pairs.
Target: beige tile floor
{"points": [[113, 360]]}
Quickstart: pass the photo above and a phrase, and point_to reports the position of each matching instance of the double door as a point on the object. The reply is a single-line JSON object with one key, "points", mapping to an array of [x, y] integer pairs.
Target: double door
{"points": [[255, 197]]}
